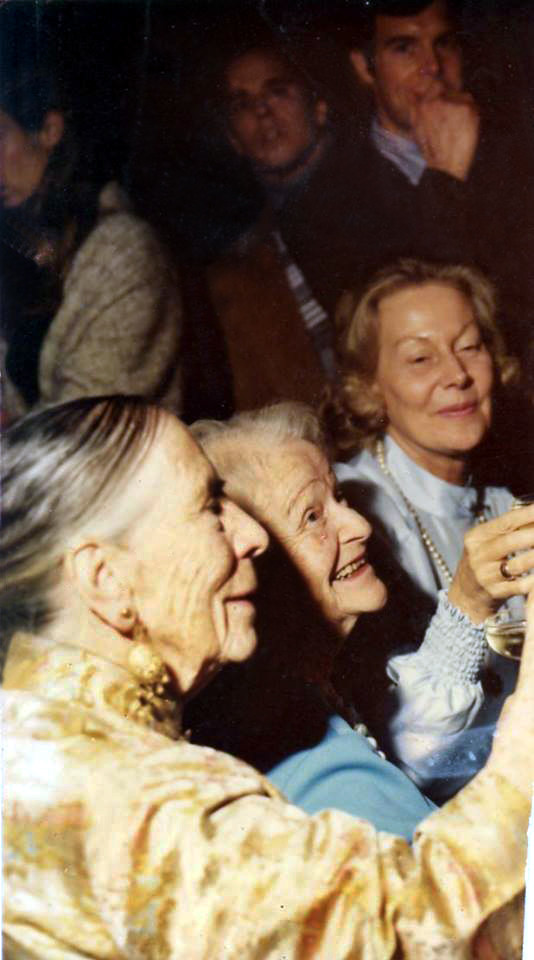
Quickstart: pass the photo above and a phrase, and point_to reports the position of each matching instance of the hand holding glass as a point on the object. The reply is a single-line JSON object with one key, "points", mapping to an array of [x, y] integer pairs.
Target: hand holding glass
{"points": [[505, 633]]}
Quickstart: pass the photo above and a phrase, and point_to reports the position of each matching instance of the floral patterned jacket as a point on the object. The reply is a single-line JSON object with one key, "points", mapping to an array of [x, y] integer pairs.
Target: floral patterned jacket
{"points": [[121, 841]]}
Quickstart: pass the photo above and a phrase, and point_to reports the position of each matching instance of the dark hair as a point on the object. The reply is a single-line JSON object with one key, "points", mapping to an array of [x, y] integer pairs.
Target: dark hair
{"points": [[362, 34], [59, 468], [285, 55], [41, 235], [65, 197], [29, 95], [31, 86]]}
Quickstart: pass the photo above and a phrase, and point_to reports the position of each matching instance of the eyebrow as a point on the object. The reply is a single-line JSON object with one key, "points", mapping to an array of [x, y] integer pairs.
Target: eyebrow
{"points": [[415, 338], [299, 493], [400, 38], [415, 35], [270, 81], [418, 337], [330, 481]]}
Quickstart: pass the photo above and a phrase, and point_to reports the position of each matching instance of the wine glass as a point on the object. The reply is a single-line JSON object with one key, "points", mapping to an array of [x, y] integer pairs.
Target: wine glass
{"points": [[505, 633]]}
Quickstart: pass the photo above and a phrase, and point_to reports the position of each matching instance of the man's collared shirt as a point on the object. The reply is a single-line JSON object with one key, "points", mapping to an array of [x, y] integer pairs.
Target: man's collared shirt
{"points": [[404, 153]]}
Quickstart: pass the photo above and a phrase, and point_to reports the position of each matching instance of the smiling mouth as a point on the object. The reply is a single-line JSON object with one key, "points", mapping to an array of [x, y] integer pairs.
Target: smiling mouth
{"points": [[351, 568], [460, 410]]}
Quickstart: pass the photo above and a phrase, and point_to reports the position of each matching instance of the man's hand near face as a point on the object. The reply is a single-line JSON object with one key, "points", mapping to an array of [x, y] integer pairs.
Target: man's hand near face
{"points": [[446, 128]]}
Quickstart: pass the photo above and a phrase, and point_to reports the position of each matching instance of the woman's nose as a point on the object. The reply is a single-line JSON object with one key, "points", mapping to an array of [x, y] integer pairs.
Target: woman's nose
{"points": [[248, 537], [354, 526], [454, 372]]}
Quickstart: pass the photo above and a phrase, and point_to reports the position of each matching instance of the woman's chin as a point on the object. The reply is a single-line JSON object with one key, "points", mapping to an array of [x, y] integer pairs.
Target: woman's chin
{"points": [[364, 588], [363, 600]]}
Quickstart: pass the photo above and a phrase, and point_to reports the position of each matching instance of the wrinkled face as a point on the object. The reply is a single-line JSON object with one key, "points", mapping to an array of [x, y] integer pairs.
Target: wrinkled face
{"points": [[434, 375], [415, 57], [194, 575], [297, 499], [23, 160], [271, 120]]}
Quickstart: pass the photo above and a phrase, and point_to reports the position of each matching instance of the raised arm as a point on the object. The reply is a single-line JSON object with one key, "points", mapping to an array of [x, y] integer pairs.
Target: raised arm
{"points": [[210, 866], [439, 720]]}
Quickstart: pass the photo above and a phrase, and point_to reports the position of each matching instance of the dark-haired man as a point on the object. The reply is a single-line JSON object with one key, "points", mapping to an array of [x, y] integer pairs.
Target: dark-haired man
{"points": [[431, 179], [278, 338], [424, 118], [274, 118]]}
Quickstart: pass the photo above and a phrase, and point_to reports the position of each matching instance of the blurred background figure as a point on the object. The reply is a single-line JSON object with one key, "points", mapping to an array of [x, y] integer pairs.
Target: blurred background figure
{"points": [[90, 299], [435, 174], [277, 122]]}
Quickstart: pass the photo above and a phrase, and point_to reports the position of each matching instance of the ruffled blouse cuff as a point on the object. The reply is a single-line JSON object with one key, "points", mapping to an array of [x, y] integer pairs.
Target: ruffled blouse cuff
{"points": [[454, 647]]}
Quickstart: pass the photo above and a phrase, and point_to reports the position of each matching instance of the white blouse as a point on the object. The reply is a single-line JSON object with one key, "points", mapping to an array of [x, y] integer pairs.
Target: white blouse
{"points": [[440, 722]]}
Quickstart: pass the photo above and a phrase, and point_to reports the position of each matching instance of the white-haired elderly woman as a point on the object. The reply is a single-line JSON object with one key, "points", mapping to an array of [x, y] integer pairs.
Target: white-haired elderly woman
{"points": [[126, 582], [274, 464], [422, 357]]}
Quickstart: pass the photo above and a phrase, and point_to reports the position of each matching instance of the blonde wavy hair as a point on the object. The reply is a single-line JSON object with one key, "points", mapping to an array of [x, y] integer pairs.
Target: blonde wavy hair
{"points": [[353, 414]]}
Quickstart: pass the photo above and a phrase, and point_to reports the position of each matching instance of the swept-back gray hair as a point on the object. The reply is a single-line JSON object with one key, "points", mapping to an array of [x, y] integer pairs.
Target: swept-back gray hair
{"points": [[240, 448], [286, 420], [59, 468]]}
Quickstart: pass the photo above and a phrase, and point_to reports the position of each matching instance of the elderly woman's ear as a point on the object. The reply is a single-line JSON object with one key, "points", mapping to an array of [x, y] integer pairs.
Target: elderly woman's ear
{"points": [[101, 574]]}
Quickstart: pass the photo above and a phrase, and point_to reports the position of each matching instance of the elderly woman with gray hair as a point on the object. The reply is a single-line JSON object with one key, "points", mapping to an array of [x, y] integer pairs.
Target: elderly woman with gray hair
{"points": [[275, 465], [125, 585]]}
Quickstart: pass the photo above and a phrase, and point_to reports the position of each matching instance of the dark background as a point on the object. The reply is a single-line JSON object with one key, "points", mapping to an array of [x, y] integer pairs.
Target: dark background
{"points": [[143, 78]]}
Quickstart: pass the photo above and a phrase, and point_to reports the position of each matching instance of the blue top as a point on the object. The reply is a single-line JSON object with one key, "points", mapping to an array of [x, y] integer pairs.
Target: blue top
{"points": [[345, 772]]}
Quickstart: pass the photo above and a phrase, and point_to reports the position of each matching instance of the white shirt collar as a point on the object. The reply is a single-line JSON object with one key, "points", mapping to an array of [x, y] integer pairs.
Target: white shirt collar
{"points": [[424, 490], [401, 151]]}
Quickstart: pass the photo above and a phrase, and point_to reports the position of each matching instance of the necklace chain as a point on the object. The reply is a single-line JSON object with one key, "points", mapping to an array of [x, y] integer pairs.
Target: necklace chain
{"points": [[435, 556]]}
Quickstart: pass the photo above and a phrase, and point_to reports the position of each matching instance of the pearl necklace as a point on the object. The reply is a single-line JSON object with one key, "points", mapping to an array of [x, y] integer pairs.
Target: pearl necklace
{"points": [[334, 701], [364, 732], [436, 557]]}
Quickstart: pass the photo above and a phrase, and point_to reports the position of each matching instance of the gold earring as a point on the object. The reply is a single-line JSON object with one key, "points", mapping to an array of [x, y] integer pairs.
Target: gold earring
{"points": [[126, 613], [143, 661]]}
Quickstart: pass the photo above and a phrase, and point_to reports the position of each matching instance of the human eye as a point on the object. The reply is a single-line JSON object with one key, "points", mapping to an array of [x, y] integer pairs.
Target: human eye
{"points": [[312, 516], [402, 46], [237, 105], [447, 41], [215, 500], [418, 359], [470, 343], [215, 506], [280, 89], [339, 496]]}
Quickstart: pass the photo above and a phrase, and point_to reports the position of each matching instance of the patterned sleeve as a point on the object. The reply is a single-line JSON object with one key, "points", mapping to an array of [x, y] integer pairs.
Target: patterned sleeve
{"points": [[204, 865]]}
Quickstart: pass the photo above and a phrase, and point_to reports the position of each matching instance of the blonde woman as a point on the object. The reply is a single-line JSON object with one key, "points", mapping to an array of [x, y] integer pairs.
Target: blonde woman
{"points": [[422, 357]]}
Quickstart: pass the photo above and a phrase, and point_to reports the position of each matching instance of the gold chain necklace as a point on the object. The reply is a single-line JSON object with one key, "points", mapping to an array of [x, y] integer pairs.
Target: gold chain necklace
{"points": [[435, 556]]}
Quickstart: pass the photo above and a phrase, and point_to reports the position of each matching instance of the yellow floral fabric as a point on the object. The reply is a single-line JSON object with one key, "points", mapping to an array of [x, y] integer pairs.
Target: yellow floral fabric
{"points": [[121, 842]]}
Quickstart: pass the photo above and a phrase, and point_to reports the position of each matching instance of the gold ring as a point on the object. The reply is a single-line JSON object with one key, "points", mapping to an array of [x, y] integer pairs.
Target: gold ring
{"points": [[505, 572]]}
